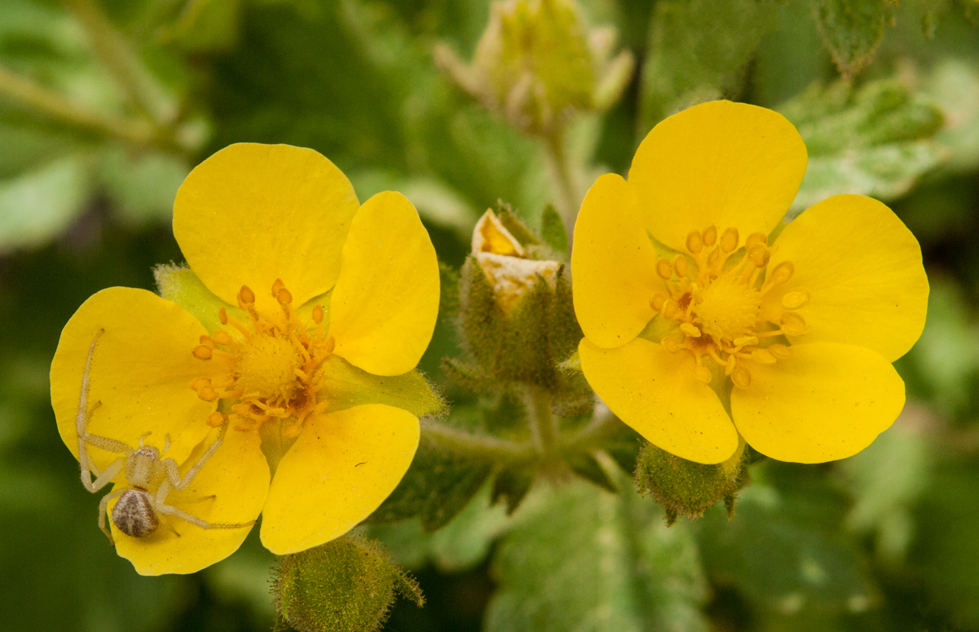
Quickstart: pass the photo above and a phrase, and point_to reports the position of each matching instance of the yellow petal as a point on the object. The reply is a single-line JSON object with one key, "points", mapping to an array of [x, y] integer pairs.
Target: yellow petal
{"points": [[718, 163], [340, 469], [862, 268], [654, 391], [237, 476], [613, 266], [141, 372], [251, 214], [827, 402], [386, 301]]}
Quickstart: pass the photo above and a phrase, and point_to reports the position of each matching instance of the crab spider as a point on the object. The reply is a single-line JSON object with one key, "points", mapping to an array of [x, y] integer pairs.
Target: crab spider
{"points": [[149, 477]]}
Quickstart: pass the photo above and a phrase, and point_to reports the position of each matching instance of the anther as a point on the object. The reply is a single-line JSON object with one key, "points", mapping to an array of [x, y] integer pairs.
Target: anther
{"points": [[283, 296], [713, 257], [221, 337], [741, 377], [762, 356], [664, 269], [794, 324], [755, 239], [710, 236], [318, 314], [223, 316], [200, 383], [330, 344], [730, 239], [781, 352], [670, 344], [202, 352], [759, 255], [216, 420], [246, 296], [669, 309], [796, 299], [782, 273], [695, 243], [745, 341], [690, 329], [730, 365], [292, 431], [702, 373], [206, 341], [680, 265], [278, 285], [208, 394], [657, 301]]}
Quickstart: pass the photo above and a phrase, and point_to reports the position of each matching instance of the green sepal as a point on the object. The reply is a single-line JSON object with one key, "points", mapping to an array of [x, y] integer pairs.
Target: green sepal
{"points": [[467, 376], [438, 485], [181, 285], [686, 488], [587, 467], [348, 584], [552, 230], [511, 486], [852, 30], [512, 223], [347, 386]]}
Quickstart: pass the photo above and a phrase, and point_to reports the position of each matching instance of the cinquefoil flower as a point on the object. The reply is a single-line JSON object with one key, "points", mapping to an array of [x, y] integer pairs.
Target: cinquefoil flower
{"points": [[299, 322], [788, 343]]}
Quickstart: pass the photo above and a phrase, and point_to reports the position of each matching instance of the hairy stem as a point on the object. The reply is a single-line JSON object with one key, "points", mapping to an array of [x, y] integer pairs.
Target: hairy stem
{"points": [[33, 97], [543, 423], [484, 446], [556, 150], [122, 61]]}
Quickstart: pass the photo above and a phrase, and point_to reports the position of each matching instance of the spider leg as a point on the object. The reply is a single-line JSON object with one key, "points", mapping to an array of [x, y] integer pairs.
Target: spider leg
{"points": [[103, 510], [173, 474], [183, 515], [105, 477]]}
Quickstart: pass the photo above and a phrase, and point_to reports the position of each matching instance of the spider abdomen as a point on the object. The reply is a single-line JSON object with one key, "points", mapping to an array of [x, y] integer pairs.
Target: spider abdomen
{"points": [[133, 514]]}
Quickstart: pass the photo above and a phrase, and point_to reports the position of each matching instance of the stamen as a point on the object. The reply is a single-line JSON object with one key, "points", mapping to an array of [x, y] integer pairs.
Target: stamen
{"points": [[200, 383], [690, 330], [782, 273], [670, 344], [730, 365], [702, 373], [278, 285], [222, 337], [318, 314], [762, 356], [245, 296], [664, 269], [202, 352], [710, 236], [755, 239], [759, 255], [216, 420], [223, 316], [331, 344], [745, 341], [795, 299], [680, 265], [713, 257], [208, 394], [657, 301], [794, 324], [284, 297], [741, 377], [206, 341], [781, 352], [730, 240], [695, 243], [669, 308]]}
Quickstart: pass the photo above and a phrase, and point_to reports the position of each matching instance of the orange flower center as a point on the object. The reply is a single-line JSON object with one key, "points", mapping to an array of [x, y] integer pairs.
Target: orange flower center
{"points": [[718, 311], [273, 365]]}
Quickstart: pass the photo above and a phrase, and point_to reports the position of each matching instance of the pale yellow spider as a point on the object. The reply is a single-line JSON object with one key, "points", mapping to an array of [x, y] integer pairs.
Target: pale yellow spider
{"points": [[149, 477]]}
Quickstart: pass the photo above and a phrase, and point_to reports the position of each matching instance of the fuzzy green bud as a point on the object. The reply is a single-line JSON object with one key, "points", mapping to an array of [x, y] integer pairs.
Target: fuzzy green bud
{"points": [[516, 314], [686, 488], [537, 63], [348, 584]]}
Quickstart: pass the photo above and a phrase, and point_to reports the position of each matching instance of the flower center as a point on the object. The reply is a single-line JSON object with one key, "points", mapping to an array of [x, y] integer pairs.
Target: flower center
{"points": [[718, 311], [273, 365]]}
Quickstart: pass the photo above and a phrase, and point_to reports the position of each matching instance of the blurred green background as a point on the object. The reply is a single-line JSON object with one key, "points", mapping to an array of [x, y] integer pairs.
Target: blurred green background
{"points": [[98, 128]]}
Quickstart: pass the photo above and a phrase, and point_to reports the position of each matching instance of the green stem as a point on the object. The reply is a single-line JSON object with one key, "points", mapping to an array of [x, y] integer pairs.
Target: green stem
{"points": [[543, 424], [33, 97], [556, 149], [592, 435], [480, 446], [122, 61]]}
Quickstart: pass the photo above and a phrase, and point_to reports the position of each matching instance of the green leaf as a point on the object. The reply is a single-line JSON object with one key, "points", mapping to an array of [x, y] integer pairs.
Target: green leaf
{"points": [[552, 230], [784, 549], [852, 30], [954, 85], [349, 386], [437, 486], [587, 467], [204, 26], [143, 186], [697, 50], [579, 558], [877, 140], [39, 205], [511, 486]]}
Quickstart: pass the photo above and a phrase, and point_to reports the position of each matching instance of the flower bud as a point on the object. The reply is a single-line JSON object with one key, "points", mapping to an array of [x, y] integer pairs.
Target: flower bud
{"points": [[688, 488], [347, 584], [537, 63]]}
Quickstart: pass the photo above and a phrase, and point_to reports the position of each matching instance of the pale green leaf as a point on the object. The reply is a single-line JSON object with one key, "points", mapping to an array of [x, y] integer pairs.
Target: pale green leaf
{"points": [[39, 205]]}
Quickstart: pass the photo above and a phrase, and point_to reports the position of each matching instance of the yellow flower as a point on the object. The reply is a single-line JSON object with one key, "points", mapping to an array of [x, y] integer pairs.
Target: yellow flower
{"points": [[787, 345], [298, 324]]}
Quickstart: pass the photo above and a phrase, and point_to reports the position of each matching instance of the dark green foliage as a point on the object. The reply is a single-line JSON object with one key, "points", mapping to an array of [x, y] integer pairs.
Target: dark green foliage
{"points": [[438, 485], [687, 488], [852, 30], [347, 585], [552, 231], [587, 467], [511, 486]]}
